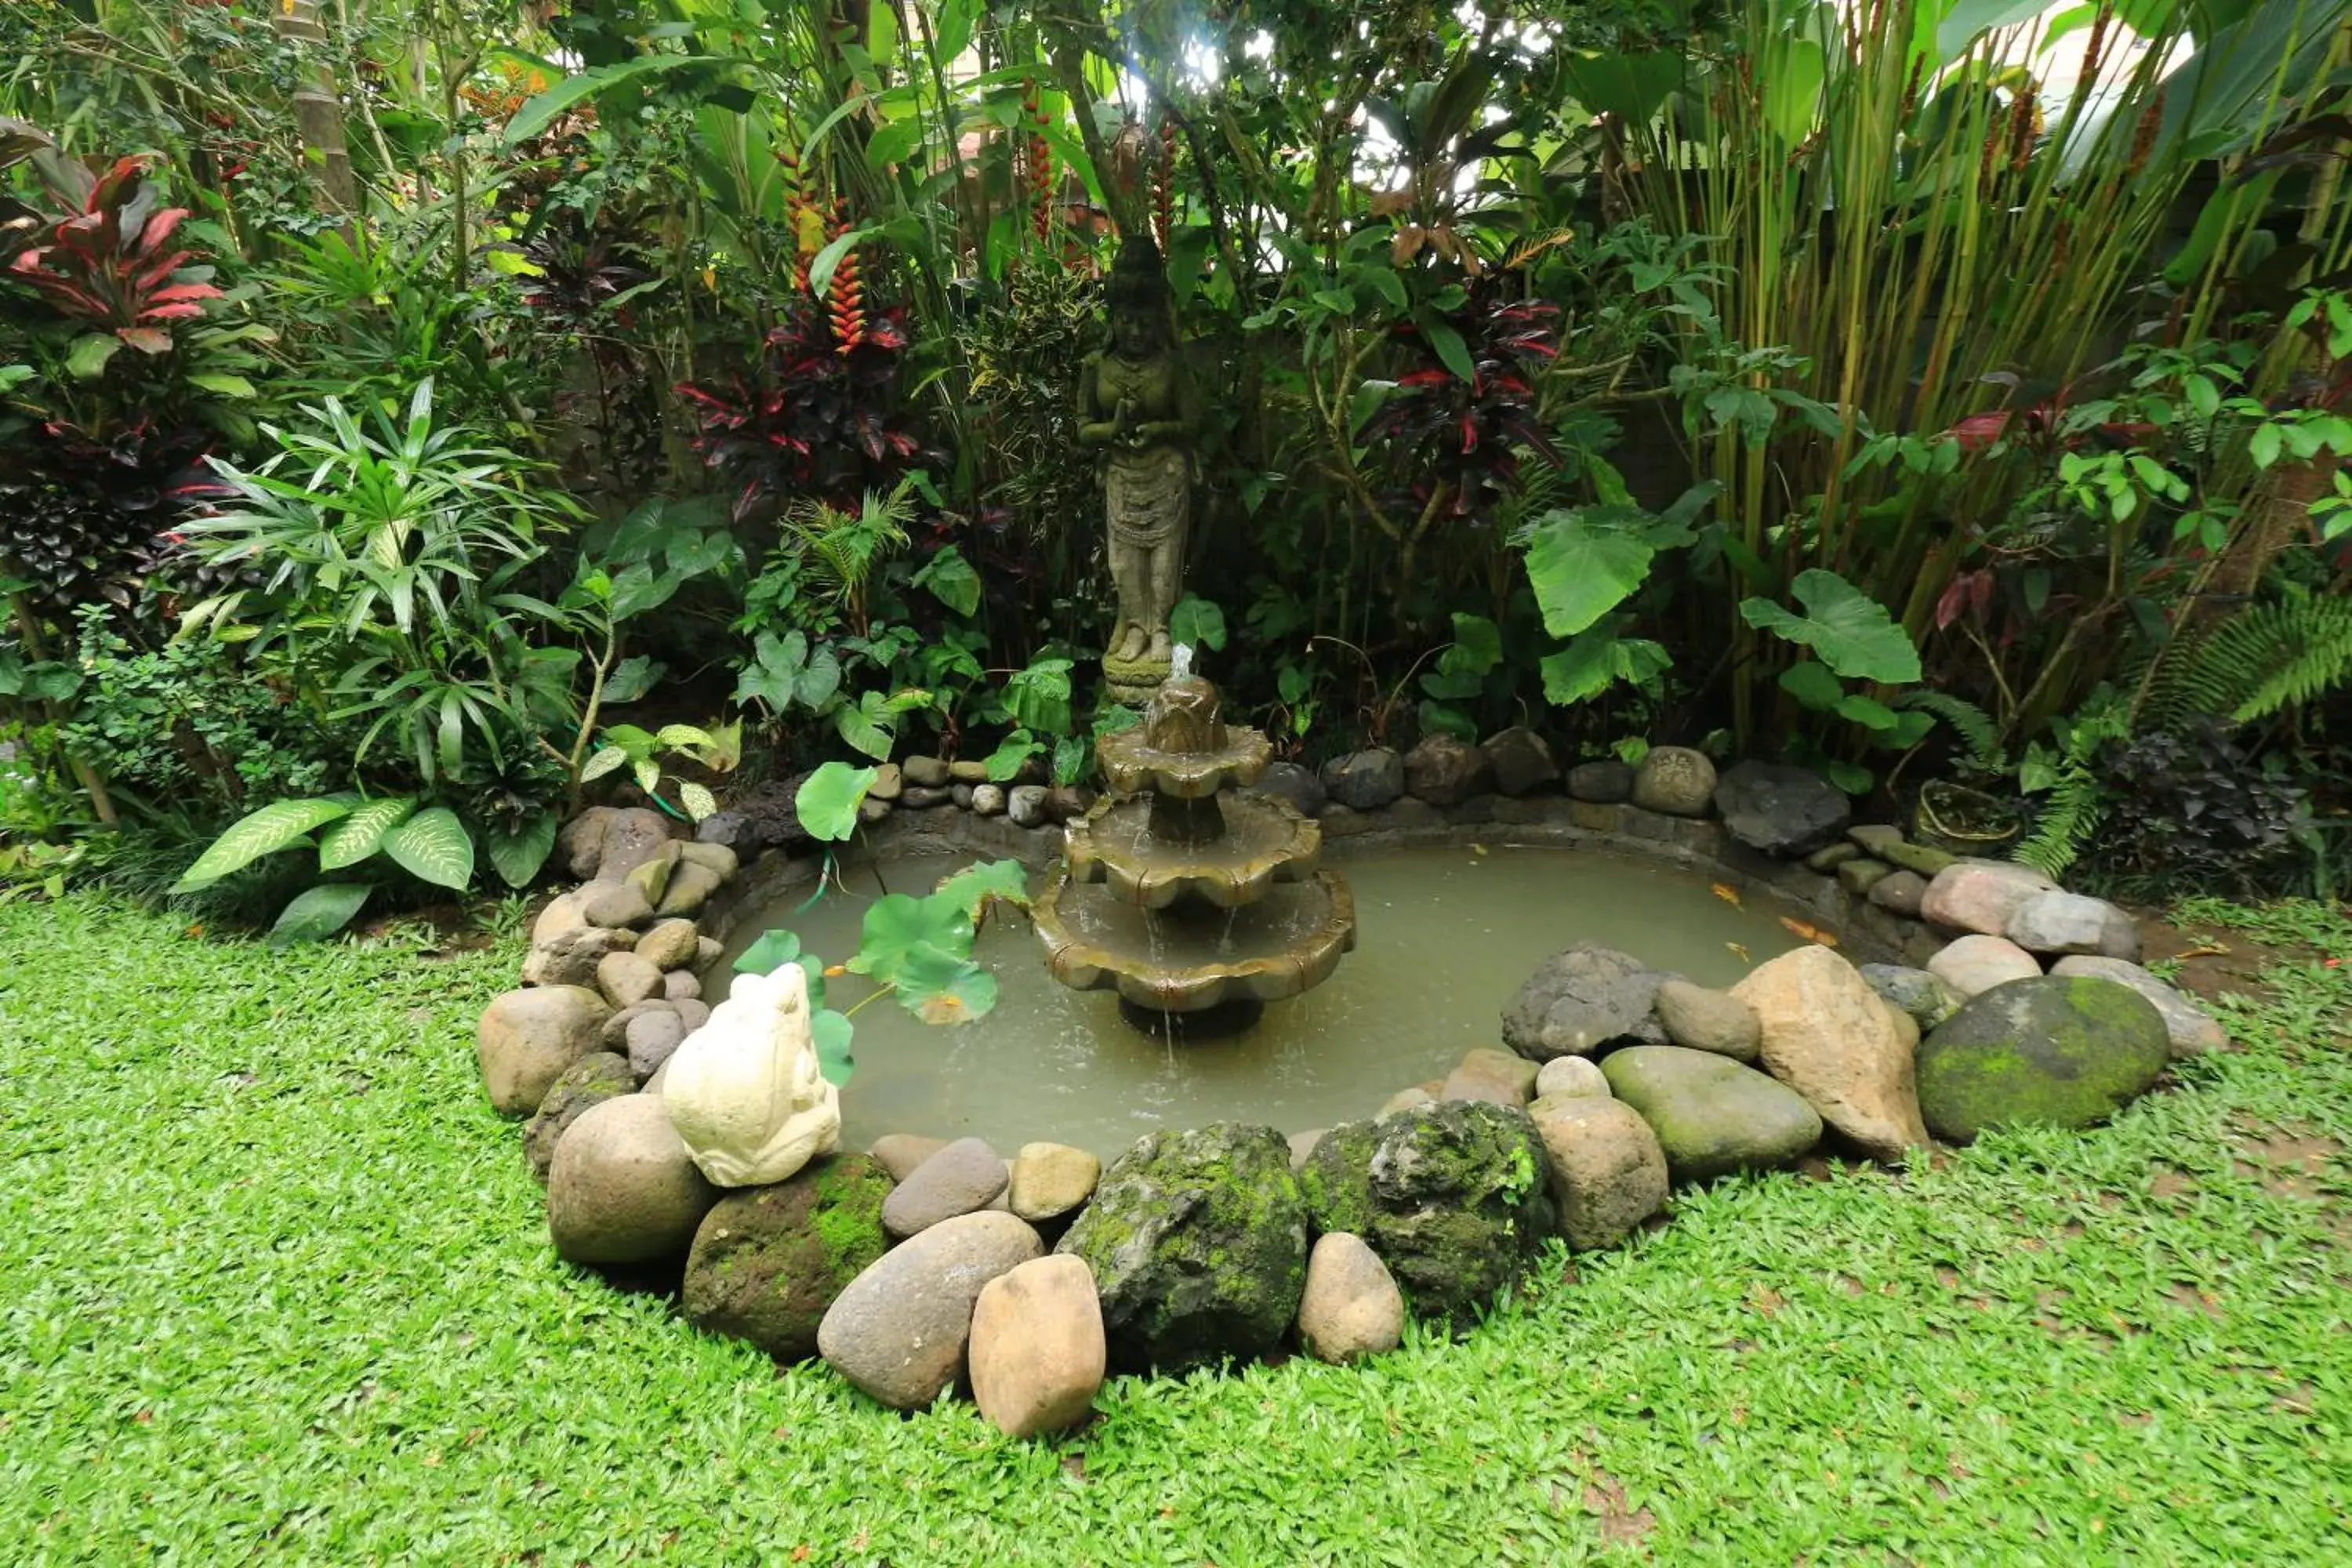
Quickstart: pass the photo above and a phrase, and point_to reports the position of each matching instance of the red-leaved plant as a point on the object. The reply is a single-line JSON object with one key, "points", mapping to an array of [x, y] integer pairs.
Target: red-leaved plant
{"points": [[107, 261]]}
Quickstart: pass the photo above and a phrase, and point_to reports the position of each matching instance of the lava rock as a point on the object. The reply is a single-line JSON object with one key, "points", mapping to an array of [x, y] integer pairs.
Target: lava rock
{"points": [[900, 1330], [1980, 895], [1978, 963], [1336, 1178], [1674, 780], [1712, 1115], [621, 1189], [1605, 783], [962, 1178], [1445, 770], [2193, 1031], [1704, 1020], [1026, 804], [1926, 999], [2069, 923], [2051, 1051], [1050, 1180], [1365, 780], [1900, 892], [1521, 760], [1835, 1041], [1607, 1169], [1038, 1349], [526, 1039], [1351, 1307], [1782, 811], [765, 817], [1571, 1078], [768, 1261], [1197, 1240], [1300, 787], [593, 1079], [628, 979], [1461, 1198], [1581, 1000], [669, 944]]}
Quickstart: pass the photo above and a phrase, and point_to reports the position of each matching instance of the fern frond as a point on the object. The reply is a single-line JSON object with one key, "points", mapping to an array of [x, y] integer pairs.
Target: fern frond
{"points": [[2077, 801], [1971, 723], [2262, 660]]}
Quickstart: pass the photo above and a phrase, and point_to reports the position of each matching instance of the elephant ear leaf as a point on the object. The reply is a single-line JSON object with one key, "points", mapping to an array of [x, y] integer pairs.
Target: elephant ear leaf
{"points": [[1850, 630], [278, 826], [432, 847]]}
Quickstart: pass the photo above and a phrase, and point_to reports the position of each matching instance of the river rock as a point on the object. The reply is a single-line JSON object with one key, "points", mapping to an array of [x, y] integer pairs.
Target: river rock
{"points": [[1579, 1001], [651, 878], [2192, 1030], [1604, 783], [2056, 1051], [1976, 963], [1197, 1240], [570, 958], [628, 979], [1365, 780], [691, 885], [1926, 999], [1050, 1180], [967, 771], [928, 772], [1067, 802], [598, 1077], [1406, 1097], [1676, 779], [1300, 787], [615, 904], [558, 918], [620, 1188], [1835, 1041], [745, 1090], [1712, 1115], [1461, 1200], [653, 1038], [768, 1261], [1980, 895], [1705, 1020], [1829, 857], [1859, 876], [964, 1177], [1570, 1077], [1521, 760], [890, 782], [987, 800], [1501, 1077], [1608, 1170], [1782, 811], [670, 944], [526, 1039], [682, 986], [1026, 804], [1038, 1350], [901, 1329], [1921, 861], [609, 842], [903, 1153], [961, 794], [1900, 892], [694, 1010], [1351, 1307], [1445, 770], [716, 858], [2069, 923]]}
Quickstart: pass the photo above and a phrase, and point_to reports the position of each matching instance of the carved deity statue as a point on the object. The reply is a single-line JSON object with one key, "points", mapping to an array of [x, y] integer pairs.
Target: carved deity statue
{"points": [[1136, 403]]}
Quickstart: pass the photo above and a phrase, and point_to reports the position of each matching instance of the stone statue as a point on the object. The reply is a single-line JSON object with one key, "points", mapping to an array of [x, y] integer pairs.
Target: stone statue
{"points": [[745, 1092], [1136, 402]]}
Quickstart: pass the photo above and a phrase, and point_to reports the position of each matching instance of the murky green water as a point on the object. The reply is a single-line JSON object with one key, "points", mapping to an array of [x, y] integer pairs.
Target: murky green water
{"points": [[1444, 937]]}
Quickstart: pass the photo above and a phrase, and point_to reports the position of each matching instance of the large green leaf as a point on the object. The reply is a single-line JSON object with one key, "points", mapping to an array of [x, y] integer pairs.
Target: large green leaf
{"points": [[541, 112], [432, 847], [1598, 659], [829, 798], [939, 988], [1850, 630], [1197, 623], [357, 836], [833, 1032], [273, 828], [869, 726], [318, 913], [517, 857], [1005, 881], [952, 581], [900, 927], [772, 952], [1038, 695], [1584, 563]]}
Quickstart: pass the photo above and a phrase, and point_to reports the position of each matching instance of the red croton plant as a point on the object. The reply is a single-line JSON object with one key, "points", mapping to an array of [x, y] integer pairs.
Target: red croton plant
{"points": [[108, 260]]}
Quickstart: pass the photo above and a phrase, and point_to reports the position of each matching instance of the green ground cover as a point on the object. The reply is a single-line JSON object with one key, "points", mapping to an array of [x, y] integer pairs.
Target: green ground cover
{"points": [[274, 1284]]}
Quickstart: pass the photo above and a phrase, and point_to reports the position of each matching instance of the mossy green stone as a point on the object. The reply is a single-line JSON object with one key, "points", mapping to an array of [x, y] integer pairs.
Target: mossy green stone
{"points": [[1197, 1240], [1337, 1180], [2053, 1051], [767, 1261], [593, 1079], [1858, 876], [1461, 1204], [1712, 1115], [1918, 858]]}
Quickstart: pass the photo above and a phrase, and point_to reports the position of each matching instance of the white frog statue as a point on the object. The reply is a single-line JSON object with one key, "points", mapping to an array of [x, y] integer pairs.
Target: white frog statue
{"points": [[745, 1091]]}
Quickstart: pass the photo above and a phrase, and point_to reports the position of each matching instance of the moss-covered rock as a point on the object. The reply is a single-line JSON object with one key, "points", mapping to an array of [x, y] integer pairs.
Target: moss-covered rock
{"points": [[1461, 1194], [598, 1077], [1337, 1180], [1712, 1115], [1198, 1244], [767, 1261], [2063, 1052]]}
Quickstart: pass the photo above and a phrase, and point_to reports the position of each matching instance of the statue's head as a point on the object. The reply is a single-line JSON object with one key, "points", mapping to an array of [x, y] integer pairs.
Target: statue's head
{"points": [[1138, 301]]}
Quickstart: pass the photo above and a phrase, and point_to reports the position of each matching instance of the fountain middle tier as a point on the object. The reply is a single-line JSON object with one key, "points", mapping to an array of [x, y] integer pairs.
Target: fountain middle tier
{"points": [[1226, 850], [1191, 956]]}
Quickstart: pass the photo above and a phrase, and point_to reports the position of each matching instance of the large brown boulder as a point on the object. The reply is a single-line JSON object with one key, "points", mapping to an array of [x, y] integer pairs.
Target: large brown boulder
{"points": [[901, 1330], [1835, 1041], [622, 1189], [527, 1037], [1037, 1348]]}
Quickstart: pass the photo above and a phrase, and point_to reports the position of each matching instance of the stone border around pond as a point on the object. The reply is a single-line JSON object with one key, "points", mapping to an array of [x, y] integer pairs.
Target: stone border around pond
{"points": [[920, 1266]]}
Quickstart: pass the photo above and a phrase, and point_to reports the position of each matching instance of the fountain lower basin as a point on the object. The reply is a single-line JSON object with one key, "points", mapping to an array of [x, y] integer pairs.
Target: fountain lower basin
{"points": [[1285, 941]]}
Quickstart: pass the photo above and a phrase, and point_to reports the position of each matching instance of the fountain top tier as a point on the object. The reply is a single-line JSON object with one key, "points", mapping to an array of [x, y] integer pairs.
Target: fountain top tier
{"points": [[1178, 892]]}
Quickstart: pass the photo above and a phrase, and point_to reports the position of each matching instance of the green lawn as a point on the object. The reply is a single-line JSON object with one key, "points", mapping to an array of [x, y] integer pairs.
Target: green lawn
{"points": [[274, 1284]]}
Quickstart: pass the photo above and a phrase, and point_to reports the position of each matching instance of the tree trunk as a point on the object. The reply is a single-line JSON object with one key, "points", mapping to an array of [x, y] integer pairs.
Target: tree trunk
{"points": [[319, 110], [2281, 510]]}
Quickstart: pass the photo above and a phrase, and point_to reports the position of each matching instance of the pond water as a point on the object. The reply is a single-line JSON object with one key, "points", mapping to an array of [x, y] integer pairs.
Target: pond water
{"points": [[1445, 938]]}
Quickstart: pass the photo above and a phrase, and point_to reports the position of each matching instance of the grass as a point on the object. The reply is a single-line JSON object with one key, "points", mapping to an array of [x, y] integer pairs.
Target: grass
{"points": [[274, 1284]]}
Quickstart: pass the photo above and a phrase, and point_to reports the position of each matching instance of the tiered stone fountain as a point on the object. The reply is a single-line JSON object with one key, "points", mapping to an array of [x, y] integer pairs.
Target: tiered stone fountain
{"points": [[1196, 903]]}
